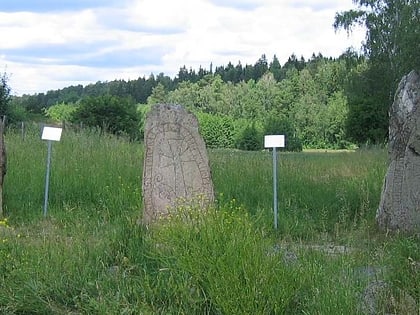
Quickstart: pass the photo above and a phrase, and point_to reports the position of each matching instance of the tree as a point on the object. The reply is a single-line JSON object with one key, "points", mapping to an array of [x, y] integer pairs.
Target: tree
{"points": [[392, 46], [186, 94], [367, 118], [110, 114], [275, 68], [260, 67], [250, 139], [4, 105], [392, 33], [61, 112], [4, 95], [334, 121], [278, 125], [159, 95], [306, 111], [216, 130]]}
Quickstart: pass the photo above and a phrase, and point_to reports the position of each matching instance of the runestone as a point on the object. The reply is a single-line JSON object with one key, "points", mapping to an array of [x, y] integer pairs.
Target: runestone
{"points": [[176, 165]]}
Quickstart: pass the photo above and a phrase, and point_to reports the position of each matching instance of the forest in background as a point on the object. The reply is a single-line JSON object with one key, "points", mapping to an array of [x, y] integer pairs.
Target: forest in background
{"points": [[235, 104], [321, 102]]}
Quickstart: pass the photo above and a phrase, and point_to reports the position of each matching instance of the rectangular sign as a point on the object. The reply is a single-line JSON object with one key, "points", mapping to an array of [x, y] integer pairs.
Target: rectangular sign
{"points": [[51, 133], [274, 141]]}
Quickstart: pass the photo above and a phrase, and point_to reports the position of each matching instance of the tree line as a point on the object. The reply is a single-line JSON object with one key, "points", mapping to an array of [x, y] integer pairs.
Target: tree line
{"points": [[321, 102], [141, 88], [304, 96]]}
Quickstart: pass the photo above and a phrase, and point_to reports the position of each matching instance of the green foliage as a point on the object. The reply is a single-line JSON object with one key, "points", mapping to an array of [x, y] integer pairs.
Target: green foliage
{"points": [[314, 95], [109, 113], [250, 139], [17, 113], [217, 131], [159, 95], [222, 279], [89, 256], [9, 108], [4, 95], [392, 35], [404, 258], [61, 112], [344, 187], [334, 121], [276, 125], [367, 118], [392, 45], [142, 111]]}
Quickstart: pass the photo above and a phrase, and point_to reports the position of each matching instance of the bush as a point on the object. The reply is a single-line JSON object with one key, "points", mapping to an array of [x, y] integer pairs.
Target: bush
{"points": [[117, 115], [61, 112], [282, 126], [217, 131], [250, 139]]}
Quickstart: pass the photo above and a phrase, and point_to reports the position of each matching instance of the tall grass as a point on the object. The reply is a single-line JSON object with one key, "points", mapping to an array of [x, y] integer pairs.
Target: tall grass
{"points": [[318, 192], [89, 256], [88, 170]]}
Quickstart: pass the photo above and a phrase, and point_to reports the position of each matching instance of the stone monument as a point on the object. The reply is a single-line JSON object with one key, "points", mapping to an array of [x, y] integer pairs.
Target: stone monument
{"points": [[176, 165], [399, 208]]}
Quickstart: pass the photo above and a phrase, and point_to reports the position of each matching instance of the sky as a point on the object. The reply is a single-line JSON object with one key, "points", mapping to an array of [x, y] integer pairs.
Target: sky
{"points": [[50, 44]]}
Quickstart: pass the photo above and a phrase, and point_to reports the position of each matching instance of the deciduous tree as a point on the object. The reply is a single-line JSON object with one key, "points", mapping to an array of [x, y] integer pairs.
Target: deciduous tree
{"points": [[392, 46], [109, 113]]}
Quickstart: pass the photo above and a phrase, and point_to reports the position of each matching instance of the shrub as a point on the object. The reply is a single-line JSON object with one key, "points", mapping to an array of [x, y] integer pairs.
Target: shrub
{"points": [[61, 112], [277, 125], [117, 115], [250, 139], [217, 131]]}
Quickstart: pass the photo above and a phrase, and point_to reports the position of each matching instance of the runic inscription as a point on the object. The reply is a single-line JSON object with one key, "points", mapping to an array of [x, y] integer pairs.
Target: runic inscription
{"points": [[399, 208], [175, 164]]}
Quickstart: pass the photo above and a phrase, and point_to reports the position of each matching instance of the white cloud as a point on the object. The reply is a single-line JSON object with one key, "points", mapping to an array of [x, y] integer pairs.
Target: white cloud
{"points": [[51, 50]]}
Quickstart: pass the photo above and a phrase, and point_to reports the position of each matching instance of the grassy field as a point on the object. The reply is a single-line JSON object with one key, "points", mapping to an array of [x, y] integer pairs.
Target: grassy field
{"points": [[89, 256]]}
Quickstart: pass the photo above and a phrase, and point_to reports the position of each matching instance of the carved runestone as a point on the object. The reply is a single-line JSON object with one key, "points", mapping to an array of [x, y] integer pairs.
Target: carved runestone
{"points": [[399, 208], [175, 161]]}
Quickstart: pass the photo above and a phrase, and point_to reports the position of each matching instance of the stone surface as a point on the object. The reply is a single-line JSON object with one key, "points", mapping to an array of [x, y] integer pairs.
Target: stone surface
{"points": [[379, 298], [176, 165], [399, 208]]}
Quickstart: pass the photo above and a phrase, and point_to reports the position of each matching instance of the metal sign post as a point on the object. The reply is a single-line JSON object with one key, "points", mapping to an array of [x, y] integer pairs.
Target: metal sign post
{"points": [[50, 134], [274, 141]]}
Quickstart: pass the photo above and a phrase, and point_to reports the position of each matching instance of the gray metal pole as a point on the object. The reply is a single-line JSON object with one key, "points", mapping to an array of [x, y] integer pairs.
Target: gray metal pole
{"points": [[275, 186], [47, 179]]}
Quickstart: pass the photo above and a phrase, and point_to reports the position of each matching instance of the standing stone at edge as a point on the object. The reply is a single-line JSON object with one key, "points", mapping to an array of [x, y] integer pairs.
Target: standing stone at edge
{"points": [[175, 161], [399, 208]]}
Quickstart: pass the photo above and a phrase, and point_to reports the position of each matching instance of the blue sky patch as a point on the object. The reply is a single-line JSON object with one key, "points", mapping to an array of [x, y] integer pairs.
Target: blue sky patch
{"points": [[54, 5]]}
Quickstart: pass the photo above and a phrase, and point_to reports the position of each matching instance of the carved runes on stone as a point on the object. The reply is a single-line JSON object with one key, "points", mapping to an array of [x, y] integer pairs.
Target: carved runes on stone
{"points": [[399, 208], [176, 165]]}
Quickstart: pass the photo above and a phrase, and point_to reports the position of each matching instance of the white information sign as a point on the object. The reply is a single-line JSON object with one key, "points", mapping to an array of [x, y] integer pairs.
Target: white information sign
{"points": [[274, 141], [51, 133]]}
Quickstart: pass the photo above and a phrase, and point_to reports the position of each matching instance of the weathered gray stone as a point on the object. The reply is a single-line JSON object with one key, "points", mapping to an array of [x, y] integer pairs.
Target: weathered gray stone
{"points": [[176, 165], [379, 298], [399, 208]]}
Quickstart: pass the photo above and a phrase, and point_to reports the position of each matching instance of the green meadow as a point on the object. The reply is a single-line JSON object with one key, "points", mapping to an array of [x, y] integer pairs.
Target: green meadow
{"points": [[90, 256]]}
